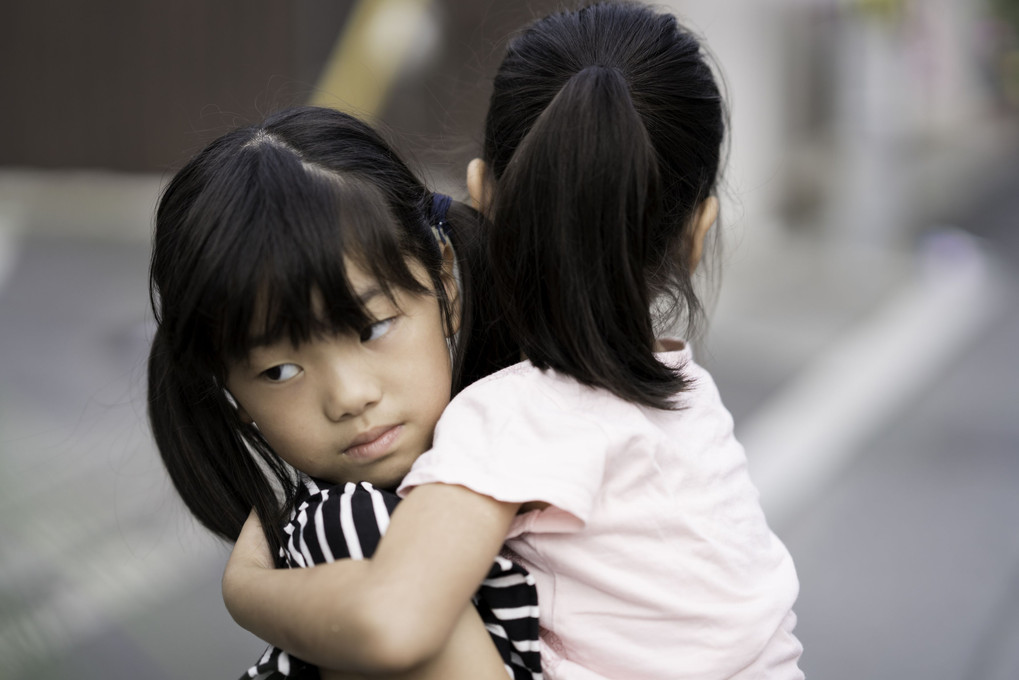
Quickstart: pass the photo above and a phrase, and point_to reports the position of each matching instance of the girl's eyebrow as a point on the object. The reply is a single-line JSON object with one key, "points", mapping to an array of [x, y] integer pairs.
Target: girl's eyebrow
{"points": [[363, 297]]}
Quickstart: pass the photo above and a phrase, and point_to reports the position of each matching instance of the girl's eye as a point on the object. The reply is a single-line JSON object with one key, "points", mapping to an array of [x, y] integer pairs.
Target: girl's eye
{"points": [[377, 330], [281, 373]]}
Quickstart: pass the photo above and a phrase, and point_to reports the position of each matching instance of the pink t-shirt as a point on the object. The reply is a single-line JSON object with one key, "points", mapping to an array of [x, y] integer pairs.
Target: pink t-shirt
{"points": [[653, 558]]}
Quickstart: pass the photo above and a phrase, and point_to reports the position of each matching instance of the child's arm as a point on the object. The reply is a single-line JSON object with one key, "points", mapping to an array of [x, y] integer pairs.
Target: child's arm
{"points": [[388, 614], [468, 655]]}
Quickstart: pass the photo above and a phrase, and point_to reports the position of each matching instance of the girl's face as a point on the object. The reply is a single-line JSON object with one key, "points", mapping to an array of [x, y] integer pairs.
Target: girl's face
{"points": [[351, 407]]}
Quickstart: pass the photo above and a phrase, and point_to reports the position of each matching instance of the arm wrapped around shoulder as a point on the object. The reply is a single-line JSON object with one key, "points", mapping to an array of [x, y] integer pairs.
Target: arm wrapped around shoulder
{"points": [[521, 436]]}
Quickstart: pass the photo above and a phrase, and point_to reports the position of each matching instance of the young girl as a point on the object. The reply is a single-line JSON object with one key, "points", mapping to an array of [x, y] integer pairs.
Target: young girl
{"points": [[606, 459], [302, 281]]}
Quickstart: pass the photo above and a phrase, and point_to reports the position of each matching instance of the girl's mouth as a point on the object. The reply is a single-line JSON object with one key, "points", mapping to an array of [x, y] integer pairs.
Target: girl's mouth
{"points": [[374, 443]]}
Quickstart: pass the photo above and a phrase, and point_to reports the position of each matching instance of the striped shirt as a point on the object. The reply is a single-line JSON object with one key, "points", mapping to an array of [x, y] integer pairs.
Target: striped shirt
{"points": [[336, 522]]}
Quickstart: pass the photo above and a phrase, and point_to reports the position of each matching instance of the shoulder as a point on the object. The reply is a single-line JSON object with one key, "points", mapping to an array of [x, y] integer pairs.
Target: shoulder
{"points": [[524, 400], [523, 435], [524, 408], [333, 522], [525, 393]]}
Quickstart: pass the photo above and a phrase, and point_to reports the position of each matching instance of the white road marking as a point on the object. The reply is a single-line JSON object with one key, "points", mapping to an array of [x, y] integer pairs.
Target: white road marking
{"points": [[801, 438]]}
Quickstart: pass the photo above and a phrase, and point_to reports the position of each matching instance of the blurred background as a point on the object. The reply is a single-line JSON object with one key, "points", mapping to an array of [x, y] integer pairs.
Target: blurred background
{"points": [[864, 334]]}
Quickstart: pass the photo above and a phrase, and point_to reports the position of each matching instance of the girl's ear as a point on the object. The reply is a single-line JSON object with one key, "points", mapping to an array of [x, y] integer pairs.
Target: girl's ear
{"points": [[477, 185], [449, 282], [707, 213]]}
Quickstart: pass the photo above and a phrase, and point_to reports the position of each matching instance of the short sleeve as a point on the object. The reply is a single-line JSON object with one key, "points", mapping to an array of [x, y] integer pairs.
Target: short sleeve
{"points": [[521, 436]]}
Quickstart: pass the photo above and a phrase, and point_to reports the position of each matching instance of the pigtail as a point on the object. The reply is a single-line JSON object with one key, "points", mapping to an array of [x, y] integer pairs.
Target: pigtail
{"points": [[209, 464], [576, 209]]}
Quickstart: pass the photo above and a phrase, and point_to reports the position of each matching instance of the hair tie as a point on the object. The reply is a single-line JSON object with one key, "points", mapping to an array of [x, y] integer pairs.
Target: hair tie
{"points": [[437, 217]]}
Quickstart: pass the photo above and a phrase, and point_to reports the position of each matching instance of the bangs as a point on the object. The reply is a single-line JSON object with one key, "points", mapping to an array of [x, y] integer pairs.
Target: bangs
{"points": [[282, 243]]}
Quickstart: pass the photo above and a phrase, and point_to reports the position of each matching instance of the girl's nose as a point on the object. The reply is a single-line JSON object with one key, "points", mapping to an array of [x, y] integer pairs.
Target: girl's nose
{"points": [[350, 392]]}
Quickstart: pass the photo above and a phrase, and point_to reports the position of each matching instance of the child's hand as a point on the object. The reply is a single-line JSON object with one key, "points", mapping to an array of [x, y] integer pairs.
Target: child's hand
{"points": [[251, 547], [249, 557]]}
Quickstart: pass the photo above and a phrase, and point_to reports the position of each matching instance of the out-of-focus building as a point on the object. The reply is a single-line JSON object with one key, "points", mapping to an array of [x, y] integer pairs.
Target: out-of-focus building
{"points": [[855, 119], [858, 120]]}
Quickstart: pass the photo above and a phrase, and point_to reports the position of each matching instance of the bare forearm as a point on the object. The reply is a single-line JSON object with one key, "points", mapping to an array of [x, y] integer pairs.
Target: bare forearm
{"points": [[330, 615], [316, 613], [469, 654], [332, 637], [388, 614]]}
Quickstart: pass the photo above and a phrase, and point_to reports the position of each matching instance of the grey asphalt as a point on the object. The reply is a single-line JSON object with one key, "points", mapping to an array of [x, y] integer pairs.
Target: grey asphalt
{"points": [[908, 559]]}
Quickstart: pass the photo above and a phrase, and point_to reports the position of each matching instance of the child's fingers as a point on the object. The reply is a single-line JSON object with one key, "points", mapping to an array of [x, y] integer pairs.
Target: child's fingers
{"points": [[249, 557], [251, 548]]}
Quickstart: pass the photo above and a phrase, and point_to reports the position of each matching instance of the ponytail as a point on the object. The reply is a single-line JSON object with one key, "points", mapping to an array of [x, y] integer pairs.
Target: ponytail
{"points": [[603, 136], [576, 212], [206, 458]]}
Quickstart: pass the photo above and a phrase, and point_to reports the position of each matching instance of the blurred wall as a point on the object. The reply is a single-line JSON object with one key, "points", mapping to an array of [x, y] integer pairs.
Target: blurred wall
{"points": [[139, 85], [135, 84], [854, 120]]}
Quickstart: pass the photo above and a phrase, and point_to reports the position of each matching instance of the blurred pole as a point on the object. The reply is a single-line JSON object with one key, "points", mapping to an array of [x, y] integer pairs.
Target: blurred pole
{"points": [[746, 38], [890, 93], [377, 43], [909, 116], [866, 206]]}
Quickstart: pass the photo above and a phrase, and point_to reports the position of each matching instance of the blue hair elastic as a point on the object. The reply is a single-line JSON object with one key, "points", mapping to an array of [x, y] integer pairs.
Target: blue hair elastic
{"points": [[437, 217]]}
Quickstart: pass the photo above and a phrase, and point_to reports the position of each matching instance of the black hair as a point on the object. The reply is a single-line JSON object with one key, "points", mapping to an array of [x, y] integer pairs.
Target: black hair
{"points": [[603, 136], [245, 233]]}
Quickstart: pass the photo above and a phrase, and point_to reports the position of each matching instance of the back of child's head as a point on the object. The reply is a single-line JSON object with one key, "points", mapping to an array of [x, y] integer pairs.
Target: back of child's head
{"points": [[603, 137], [250, 243]]}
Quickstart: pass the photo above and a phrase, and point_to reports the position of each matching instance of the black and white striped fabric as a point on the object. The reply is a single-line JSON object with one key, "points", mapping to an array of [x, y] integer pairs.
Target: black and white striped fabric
{"points": [[336, 522]]}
